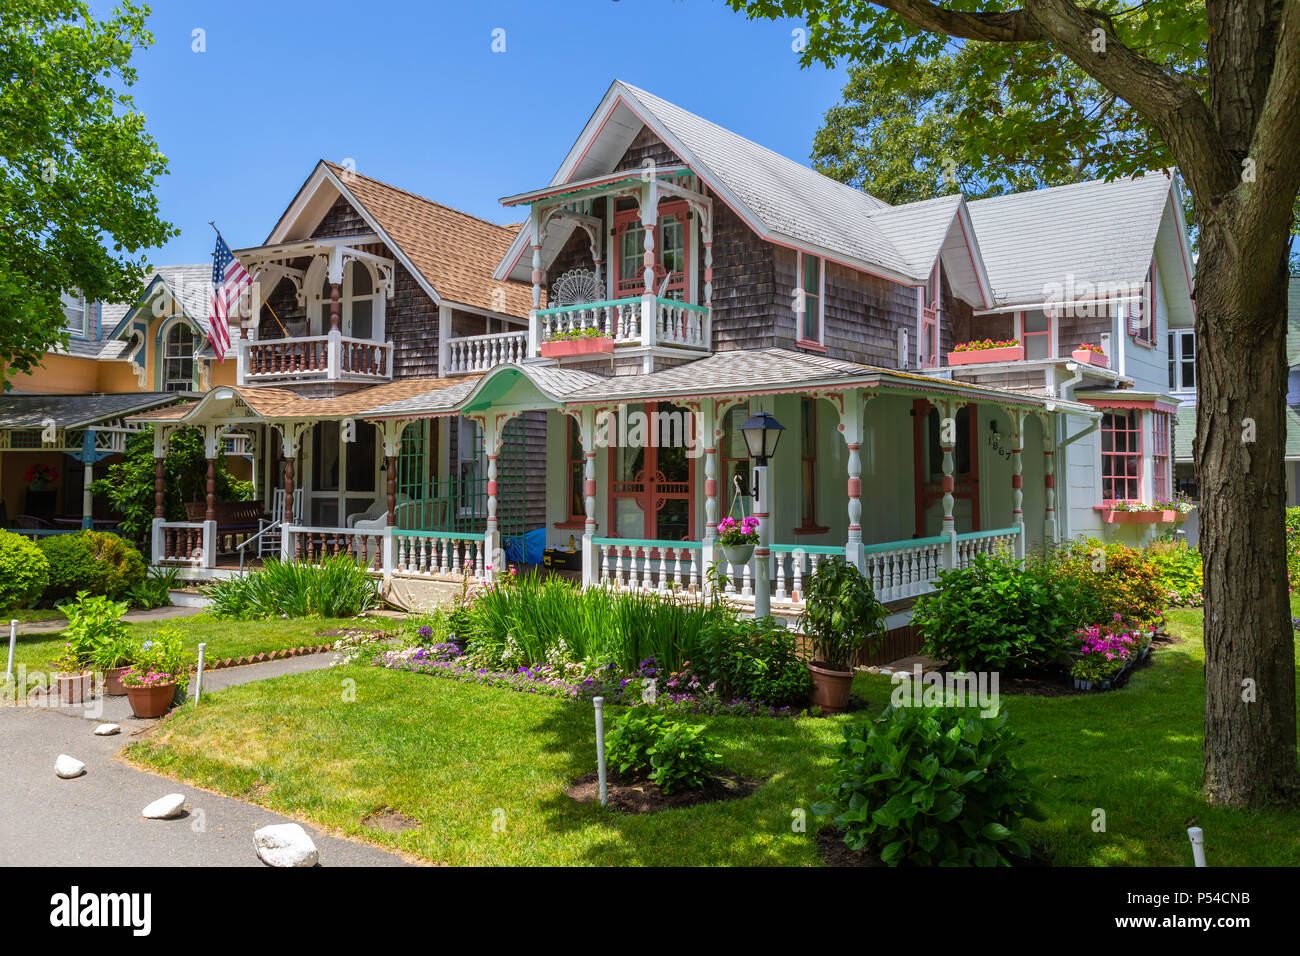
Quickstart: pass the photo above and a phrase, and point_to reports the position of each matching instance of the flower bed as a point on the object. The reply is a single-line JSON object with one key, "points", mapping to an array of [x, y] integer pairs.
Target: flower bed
{"points": [[1105, 653]]}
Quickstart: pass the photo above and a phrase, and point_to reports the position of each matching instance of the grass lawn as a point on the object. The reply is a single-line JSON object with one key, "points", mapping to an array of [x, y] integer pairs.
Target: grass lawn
{"points": [[452, 755], [27, 615], [224, 638]]}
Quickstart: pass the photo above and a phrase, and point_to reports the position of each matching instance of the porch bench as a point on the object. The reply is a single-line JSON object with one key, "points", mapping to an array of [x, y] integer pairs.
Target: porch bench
{"points": [[235, 519]]}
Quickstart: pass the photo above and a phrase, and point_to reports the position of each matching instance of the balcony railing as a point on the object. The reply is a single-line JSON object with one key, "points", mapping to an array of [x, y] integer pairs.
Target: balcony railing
{"points": [[330, 357], [478, 353], [644, 320]]}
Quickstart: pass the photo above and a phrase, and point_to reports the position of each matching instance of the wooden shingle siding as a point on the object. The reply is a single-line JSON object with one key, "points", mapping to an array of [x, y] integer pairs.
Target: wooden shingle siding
{"points": [[1077, 329], [749, 303], [862, 314], [966, 327]]}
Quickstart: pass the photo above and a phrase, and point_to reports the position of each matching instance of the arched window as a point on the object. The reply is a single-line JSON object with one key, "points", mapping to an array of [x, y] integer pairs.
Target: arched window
{"points": [[178, 358], [357, 297]]}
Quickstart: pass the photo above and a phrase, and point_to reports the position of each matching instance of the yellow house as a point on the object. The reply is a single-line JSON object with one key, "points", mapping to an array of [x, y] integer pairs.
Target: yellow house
{"points": [[63, 423]]}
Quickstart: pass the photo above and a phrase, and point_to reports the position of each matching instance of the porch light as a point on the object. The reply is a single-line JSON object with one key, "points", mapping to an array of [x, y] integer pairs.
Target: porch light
{"points": [[762, 433]]}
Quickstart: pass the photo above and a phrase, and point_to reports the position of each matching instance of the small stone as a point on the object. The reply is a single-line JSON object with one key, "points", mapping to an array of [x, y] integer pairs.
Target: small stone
{"points": [[107, 730], [69, 767], [285, 844], [164, 808]]}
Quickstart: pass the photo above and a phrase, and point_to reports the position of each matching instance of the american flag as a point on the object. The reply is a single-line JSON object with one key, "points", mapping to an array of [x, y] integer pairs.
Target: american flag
{"points": [[229, 280]]}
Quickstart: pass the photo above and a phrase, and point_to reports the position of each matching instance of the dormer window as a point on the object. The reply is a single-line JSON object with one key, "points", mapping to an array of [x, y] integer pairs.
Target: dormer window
{"points": [[178, 358]]}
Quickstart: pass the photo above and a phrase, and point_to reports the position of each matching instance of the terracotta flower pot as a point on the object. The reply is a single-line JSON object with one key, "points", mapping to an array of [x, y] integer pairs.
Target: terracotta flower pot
{"points": [[74, 688], [113, 685], [738, 554], [151, 701], [830, 687]]}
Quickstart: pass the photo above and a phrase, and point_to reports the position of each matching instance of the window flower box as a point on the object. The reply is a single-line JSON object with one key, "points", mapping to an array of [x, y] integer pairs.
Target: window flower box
{"points": [[1087, 356], [584, 345], [1134, 516], [1006, 353]]}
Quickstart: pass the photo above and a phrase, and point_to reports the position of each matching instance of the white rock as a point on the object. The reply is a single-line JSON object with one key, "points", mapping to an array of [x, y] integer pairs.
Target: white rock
{"points": [[107, 730], [285, 844], [164, 808], [69, 767]]}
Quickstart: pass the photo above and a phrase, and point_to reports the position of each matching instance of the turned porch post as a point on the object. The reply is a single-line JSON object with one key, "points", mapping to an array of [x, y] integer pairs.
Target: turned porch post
{"points": [[391, 432], [851, 426], [158, 486], [1049, 479], [335, 360], [708, 432], [160, 437], [211, 448], [590, 556], [88, 478], [1017, 478], [649, 221], [948, 445], [290, 435], [538, 277]]}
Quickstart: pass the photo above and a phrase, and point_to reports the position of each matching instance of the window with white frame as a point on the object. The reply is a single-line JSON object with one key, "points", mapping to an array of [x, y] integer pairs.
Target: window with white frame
{"points": [[358, 298], [76, 312], [1182, 360], [1160, 456], [810, 298], [1142, 312], [178, 358]]}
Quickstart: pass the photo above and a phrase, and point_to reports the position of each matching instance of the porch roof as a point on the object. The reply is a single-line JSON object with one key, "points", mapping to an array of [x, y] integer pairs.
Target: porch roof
{"points": [[19, 410]]}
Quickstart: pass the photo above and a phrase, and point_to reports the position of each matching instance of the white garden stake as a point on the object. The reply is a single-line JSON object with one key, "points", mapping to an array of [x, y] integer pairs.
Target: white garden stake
{"points": [[13, 639], [600, 747], [1197, 836], [198, 681]]}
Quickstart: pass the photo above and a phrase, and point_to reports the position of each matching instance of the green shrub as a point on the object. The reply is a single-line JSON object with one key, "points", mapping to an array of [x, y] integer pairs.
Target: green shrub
{"points": [[155, 590], [1179, 573], [930, 786], [672, 754], [336, 587], [24, 571], [996, 615], [160, 658], [753, 660], [841, 614], [1109, 579], [95, 561]]}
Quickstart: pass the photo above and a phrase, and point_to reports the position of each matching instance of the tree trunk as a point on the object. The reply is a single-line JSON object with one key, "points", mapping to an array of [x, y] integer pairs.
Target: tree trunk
{"points": [[1250, 717]]}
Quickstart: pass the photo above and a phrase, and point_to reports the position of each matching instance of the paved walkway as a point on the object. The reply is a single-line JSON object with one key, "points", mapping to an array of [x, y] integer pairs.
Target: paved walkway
{"points": [[137, 616], [94, 819]]}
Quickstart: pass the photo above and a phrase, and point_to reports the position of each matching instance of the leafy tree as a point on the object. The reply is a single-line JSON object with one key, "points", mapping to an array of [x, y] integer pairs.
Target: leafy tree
{"points": [[1212, 89], [129, 484], [77, 169]]}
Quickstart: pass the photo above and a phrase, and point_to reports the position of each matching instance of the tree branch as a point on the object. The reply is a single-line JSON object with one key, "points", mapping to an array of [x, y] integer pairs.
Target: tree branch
{"points": [[1010, 26]]}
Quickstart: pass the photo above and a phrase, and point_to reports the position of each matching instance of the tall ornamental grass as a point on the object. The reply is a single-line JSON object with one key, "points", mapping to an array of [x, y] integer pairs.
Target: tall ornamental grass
{"points": [[337, 587]]}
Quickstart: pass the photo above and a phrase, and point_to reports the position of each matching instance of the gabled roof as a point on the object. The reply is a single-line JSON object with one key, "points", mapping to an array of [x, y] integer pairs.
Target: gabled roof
{"points": [[1097, 232], [189, 286], [19, 410], [450, 252]]}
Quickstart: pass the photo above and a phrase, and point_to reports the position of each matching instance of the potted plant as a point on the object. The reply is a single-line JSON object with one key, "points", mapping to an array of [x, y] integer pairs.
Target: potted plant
{"points": [[986, 350], [39, 477], [95, 624], [841, 615], [159, 671], [738, 539], [1090, 355], [73, 676], [591, 341]]}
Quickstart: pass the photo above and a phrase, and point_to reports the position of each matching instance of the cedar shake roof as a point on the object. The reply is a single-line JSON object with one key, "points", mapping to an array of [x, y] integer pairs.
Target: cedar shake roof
{"points": [[454, 251]]}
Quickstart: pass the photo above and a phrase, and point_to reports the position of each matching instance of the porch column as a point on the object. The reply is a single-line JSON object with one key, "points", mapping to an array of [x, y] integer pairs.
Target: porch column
{"points": [[290, 435], [211, 448], [391, 431], [335, 275], [948, 445], [707, 432], [851, 425], [534, 329], [1049, 479], [88, 462], [590, 556], [160, 438], [1017, 479], [492, 425], [649, 220]]}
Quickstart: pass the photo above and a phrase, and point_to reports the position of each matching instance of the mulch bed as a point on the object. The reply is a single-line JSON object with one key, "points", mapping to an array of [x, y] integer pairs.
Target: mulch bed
{"points": [[632, 795], [833, 852]]}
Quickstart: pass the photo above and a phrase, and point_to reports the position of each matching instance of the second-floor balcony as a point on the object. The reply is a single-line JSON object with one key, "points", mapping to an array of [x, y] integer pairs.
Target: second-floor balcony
{"points": [[324, 358]]}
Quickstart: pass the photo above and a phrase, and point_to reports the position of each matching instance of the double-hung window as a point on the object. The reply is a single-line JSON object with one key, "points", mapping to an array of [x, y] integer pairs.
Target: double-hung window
{"points": [[1121, 455], [178, 358], [1182, 360], [1160, 455], [1142, 312], [810, 299]]}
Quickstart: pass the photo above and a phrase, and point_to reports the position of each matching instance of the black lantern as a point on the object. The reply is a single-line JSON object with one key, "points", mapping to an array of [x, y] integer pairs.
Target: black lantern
{"points": [[762, 432]]}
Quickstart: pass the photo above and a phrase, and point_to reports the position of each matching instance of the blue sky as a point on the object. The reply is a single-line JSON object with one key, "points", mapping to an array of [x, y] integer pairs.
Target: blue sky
{"points": [[414, 93]]}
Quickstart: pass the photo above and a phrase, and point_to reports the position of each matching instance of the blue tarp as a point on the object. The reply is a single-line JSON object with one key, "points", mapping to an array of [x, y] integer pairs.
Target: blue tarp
{"points": [[528, 548]]}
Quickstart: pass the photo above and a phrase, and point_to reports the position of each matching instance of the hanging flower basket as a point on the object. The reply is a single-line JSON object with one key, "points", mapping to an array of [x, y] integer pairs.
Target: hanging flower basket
{"points": [[738, 539], [738, 554]]}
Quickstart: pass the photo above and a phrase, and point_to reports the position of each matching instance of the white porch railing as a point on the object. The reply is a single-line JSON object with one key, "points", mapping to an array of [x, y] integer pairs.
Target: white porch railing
{"points": [[649, 565], [478, 353], [645, 320], [184, 542], [985, 542], [431, 553], [365, 546], [903, 569], [313, 357]]}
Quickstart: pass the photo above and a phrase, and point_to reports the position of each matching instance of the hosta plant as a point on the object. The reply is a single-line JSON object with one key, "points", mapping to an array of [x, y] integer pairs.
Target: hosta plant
{"points": [[930, 786]]}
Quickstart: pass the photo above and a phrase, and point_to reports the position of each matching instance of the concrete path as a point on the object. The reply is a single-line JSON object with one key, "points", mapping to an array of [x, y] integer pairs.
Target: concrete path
{"points": [[138, 616], [94, 819]]}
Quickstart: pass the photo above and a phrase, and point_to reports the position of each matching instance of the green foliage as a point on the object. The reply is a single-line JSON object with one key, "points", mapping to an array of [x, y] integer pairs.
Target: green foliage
{"points": [[95, 561], [753, 660], [841, 614], [155, 590], [129, 484], [96, 635], [24, 571], [1109, 579], [930, 786], [531, 621], [1179, 572], [996, 615], [335, 587], [674, 755], [1293, 546], [160, 658], [78, 170]]}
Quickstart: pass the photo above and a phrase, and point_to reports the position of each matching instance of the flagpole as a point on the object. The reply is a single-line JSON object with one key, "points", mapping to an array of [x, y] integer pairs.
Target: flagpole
{"points": [[258, 285]]}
